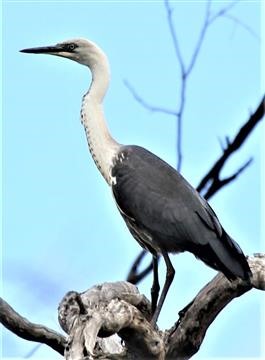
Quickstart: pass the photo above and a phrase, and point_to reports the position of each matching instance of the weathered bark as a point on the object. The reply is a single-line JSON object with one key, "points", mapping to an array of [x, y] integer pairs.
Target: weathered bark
{"points": [[98, 319], [29, 331], [105, 310], [185, 338]]}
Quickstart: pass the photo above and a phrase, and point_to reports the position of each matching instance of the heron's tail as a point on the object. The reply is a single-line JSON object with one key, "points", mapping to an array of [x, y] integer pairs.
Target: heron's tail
{"points": [[231, 259]]}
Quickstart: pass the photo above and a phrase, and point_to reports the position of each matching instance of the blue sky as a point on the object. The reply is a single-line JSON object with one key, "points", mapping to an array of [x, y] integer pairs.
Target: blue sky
{"points": [[61, 229]]}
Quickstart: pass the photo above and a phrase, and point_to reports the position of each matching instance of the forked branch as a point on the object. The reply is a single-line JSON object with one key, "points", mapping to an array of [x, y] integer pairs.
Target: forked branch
{"points": [[91, 320], [185, 67], [211, 182]]}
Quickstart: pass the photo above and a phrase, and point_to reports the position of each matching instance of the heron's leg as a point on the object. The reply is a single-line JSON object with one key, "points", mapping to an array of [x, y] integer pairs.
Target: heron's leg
{"points": [[155, 287], [169, 278]]}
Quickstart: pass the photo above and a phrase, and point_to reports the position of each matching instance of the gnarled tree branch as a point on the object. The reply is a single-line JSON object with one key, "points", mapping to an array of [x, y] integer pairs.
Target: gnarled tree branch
{"points": [[29, 331], [105, 310], [92, 318], [185, 338]]}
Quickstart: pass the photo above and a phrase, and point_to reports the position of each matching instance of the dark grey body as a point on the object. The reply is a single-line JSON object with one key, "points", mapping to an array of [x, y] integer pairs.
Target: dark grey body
{"points": [[166, 214]]}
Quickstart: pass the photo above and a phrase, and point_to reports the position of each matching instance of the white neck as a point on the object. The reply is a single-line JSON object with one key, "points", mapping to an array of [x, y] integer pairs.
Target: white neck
{"points": [[102, 146]]}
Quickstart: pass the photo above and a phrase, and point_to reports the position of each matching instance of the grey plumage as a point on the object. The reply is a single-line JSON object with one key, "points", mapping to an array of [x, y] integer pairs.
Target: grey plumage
{"points": [[164, 212]]}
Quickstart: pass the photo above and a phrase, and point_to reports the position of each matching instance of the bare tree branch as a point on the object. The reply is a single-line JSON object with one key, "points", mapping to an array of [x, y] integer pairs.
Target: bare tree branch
{"points": [[242, 24], [200, 39], [223, 11], [134, 277], [32, 351], [169, 11], [211, 182], [147, 105], [184, 71], [105, 310], [218, 184], [92, 318], [185, 338], [179, 124], [29, 331]]}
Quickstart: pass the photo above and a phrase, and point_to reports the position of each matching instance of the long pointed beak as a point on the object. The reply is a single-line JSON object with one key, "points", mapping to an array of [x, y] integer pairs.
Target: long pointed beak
{"points": [[43, 50]]}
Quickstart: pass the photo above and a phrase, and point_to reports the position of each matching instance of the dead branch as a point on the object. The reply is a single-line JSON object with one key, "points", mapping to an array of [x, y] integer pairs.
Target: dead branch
{"points": [[185, 338], [185, 69], [105, 310], [134, 276], [145, 104], [94, 318], [223, 11], [211, 182], [169, 11], [29, 331], [242, 24]]}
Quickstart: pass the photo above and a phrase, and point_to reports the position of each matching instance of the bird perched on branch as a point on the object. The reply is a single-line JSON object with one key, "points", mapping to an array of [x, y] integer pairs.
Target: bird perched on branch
{"points": [[163, 212]]}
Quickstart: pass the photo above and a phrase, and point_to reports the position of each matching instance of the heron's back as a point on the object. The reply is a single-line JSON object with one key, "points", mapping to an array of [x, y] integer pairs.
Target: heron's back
{"points": [[165, 212]]}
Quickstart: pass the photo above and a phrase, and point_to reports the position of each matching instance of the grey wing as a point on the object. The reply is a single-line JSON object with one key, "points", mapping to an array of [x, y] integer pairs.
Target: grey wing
{"points": [[159, 201], [164, 212]]}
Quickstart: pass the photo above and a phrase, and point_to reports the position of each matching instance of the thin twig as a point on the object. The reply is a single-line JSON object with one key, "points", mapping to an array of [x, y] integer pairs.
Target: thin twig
{"points": [[179, 124], [242, 24], [218, 184], [169, 11], [223, 11], [32, 351], [200, 39], [134, 277], [146, 105]]}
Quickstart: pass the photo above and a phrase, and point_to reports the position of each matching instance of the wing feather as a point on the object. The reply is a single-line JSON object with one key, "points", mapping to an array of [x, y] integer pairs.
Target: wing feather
{"points": [[161, 201], [165, 213]]}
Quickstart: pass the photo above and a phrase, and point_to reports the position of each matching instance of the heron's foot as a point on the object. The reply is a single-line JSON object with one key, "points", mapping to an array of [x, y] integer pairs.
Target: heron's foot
{"points": [[181, 315], [182, 312]]}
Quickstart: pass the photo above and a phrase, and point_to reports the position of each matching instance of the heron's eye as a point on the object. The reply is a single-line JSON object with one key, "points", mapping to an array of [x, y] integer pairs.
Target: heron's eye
{"points": [[71, 47]]}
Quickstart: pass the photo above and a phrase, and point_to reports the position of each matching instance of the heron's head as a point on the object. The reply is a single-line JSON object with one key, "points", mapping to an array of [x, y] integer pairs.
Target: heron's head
{"points": [[83, 51]]}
